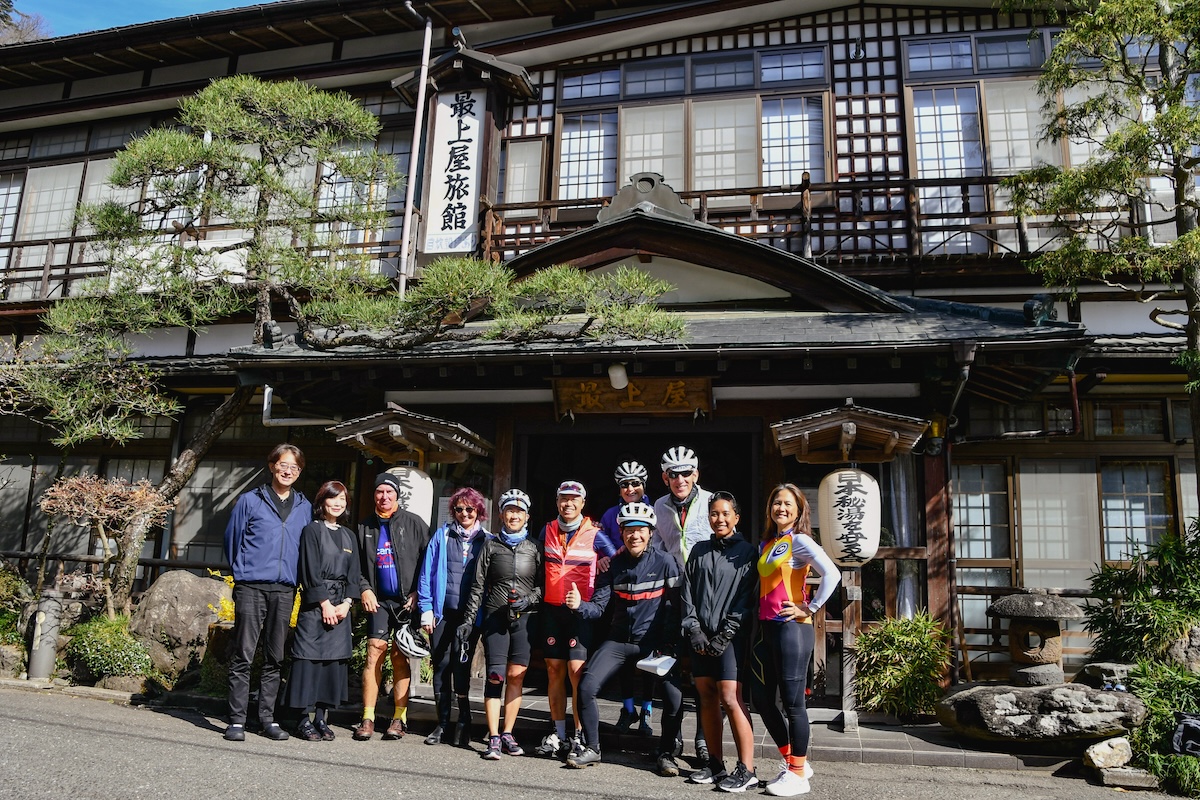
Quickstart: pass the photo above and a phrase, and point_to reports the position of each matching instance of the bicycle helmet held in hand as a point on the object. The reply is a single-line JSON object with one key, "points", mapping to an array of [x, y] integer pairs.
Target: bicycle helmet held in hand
{"points": [[411, 643], [679, 458], [630, 471]]}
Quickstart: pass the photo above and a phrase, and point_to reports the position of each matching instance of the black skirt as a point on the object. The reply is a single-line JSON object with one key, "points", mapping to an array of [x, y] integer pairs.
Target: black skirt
{"points": [[314, 683]]}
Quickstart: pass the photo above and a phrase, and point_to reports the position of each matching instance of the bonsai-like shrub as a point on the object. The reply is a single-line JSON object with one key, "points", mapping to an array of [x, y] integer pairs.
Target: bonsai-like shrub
{"points": [[104, 647], [900, 664]]}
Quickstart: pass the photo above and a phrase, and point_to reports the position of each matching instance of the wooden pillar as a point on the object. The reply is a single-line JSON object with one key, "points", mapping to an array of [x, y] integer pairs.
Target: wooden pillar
{"points": [[851, 619], [502, 457], [940, 567]]}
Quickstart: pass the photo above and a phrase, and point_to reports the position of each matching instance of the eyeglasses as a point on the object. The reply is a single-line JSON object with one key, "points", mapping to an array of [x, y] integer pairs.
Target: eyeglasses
{"points": [[287, 469], [464, 509], [630, 484], [683, 473]]}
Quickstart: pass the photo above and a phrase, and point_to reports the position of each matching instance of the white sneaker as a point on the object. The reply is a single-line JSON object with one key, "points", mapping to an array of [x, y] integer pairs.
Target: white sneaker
{"points": [[788, 785], [783, 767]]}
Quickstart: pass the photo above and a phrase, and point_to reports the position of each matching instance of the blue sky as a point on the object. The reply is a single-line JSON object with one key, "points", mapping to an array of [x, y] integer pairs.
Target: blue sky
{"points": [[77, 16]]}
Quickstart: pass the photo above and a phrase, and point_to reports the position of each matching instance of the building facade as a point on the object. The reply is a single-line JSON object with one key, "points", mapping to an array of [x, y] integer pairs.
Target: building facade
{"points": [[818, 180]]}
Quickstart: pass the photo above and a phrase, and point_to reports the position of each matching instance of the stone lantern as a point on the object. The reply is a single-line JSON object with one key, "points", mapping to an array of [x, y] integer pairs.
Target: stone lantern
{"points": [[1035, 634]]}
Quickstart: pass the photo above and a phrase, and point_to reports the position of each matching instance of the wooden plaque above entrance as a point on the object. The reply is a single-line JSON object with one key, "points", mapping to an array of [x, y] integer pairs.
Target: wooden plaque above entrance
{"points": [[641, 396]]}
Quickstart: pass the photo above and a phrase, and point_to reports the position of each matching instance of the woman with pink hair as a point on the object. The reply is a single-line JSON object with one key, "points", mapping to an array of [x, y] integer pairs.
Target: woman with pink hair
{"points": [[442, 589]]}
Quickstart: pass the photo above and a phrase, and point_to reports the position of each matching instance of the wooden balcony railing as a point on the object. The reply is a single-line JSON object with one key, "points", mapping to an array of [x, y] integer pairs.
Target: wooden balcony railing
{"points": [[888, 224], [835, 222]]}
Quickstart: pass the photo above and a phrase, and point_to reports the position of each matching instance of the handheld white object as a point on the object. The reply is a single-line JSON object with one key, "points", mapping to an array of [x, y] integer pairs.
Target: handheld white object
{"points": [[657, 664]]}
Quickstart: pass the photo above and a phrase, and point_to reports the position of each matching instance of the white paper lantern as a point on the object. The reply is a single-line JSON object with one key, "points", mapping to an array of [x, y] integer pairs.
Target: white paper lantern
{"points": [[416, 491], [849, 509]]}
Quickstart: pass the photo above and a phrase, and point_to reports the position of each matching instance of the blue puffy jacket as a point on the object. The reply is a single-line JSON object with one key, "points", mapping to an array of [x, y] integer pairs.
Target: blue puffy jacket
{"points": [[261, 547]]}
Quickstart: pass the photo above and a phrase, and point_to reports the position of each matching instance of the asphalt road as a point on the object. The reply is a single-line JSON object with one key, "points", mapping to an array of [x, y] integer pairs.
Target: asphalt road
{"points": [[56, 745]]}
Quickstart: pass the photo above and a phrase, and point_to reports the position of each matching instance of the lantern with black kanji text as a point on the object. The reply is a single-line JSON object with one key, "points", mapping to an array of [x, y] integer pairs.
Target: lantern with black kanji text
{"points": [[848, 508]]}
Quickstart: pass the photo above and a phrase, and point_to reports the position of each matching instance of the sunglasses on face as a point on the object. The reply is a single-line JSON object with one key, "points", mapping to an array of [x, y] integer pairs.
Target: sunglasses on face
{"points": [[630, 484], [687, 473], [464, 509]]}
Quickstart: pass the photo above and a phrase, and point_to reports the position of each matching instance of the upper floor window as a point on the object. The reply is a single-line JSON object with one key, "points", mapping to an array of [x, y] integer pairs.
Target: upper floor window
{"points": [[696, 74], [1129, 419], [723, 73], [967, 54], [725, 143], [656, 78], [588, 85], [1008, 52], [696, 142]]}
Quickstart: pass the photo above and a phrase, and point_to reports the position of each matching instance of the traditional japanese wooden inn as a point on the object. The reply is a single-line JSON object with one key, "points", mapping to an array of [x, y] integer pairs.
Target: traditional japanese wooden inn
{"points": [[818, 181]]}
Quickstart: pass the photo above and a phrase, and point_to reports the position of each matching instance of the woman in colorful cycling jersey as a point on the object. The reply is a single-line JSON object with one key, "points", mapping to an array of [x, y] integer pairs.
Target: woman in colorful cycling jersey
{"points": [[779, 662]]}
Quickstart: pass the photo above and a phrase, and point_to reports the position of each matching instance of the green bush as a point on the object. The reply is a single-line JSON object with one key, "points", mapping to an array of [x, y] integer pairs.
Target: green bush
{"points": [[10, 628], [14, 594], [1140, 611], [1147, 606], [1165, 689], [105, 647], [900, 665]]}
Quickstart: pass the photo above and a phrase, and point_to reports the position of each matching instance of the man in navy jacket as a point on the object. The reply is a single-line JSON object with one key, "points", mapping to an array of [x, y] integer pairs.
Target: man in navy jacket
{"points": [[642, 586], [262, 545]]}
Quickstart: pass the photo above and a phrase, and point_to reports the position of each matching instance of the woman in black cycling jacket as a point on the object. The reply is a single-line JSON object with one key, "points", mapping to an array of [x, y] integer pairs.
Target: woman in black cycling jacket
{"points": [[508, 586]]}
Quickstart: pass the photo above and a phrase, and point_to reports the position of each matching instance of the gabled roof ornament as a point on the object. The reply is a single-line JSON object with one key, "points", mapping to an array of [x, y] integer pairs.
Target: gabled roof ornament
{"points": [[646, 190]]}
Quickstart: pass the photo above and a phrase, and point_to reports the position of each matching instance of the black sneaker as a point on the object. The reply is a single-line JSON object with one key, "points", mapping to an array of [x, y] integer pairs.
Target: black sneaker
{"points": [[235, 733], [666, 765], [584, 758], [271, 730], [701, 751], [626, 719], [708, 775], [739, 780]]}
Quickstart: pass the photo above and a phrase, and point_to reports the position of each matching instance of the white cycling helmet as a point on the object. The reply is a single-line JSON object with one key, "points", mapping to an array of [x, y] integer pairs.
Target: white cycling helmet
{"points": [[515, 497], [410, 643], [630, 471], [679, 458], [636, 514]]}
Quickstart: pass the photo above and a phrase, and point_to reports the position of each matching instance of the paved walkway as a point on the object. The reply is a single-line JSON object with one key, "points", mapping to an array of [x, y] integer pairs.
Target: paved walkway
{"points": [[873, 743]]}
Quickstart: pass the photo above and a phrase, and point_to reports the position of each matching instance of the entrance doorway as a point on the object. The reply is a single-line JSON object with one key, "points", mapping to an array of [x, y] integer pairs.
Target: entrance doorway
{"points": [[730, 454]]}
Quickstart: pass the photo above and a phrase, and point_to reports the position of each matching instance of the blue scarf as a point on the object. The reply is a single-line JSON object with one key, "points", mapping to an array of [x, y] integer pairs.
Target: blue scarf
{"points": [[513, 539]]}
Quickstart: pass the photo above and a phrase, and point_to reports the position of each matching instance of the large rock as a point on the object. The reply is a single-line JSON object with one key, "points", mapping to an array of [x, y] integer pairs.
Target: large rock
{"points": [[1108, 754], [172, 619], [1040, 713], [1098, 673], [1186, 650]]}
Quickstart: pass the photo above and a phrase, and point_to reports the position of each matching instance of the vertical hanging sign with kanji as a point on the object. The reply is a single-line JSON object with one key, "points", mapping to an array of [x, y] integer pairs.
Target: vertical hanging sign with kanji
{"points": [[456, 170]]}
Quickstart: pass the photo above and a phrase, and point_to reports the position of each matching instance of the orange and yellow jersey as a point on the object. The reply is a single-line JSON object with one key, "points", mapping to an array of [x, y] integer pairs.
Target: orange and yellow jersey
{"points": [[783, 567], [570, 562], [778, 580]]}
